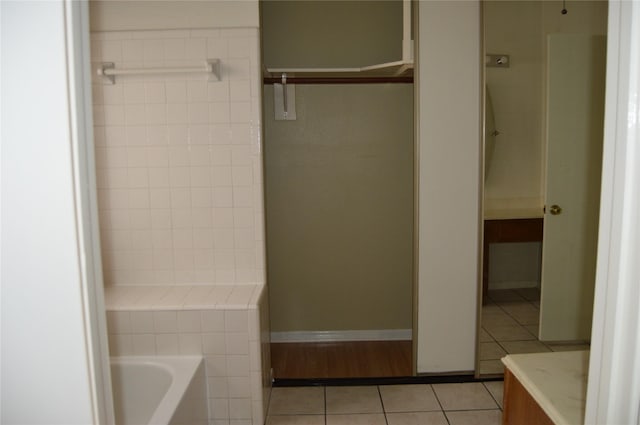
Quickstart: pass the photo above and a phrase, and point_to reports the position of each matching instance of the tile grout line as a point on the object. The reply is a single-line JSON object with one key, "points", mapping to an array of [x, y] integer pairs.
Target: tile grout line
{"points": [[384, 412], [324, 393], [524, 301], [435, 394], [491, 394], [523, 326], [266, 416]]}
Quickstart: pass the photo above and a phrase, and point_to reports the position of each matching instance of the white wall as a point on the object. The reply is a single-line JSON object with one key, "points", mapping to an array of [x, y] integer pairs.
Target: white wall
{"points": [[448, 78], [48, 373], [515, 173]]}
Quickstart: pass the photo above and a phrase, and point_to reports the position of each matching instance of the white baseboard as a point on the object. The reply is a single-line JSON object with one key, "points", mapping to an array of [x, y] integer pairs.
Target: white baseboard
{"points": [[333, 336], [512, 284]]}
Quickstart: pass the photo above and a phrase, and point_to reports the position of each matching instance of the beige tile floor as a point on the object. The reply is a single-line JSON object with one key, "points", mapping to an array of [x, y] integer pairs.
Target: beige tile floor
{"points": [[476, 403], [510, 326]]}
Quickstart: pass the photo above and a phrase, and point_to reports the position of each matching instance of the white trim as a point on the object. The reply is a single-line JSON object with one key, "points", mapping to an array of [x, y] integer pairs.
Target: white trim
{"points": [[448, 130], [613, 392], [334, 336], [85, 193]]}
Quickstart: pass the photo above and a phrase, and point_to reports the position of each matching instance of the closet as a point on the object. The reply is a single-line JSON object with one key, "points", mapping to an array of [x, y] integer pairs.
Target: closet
{"points": [[339, 192]]}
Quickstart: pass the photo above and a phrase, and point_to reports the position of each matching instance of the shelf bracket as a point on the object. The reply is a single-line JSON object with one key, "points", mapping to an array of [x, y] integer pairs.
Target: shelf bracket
{"points": [[284, 98]]}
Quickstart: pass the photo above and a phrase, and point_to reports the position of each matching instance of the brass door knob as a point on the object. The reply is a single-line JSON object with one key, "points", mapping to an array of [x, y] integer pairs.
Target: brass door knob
{"points": [[555, 209]]}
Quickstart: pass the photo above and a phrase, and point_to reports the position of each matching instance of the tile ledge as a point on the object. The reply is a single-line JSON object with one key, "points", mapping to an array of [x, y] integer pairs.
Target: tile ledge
{"points": [[117, 297]]}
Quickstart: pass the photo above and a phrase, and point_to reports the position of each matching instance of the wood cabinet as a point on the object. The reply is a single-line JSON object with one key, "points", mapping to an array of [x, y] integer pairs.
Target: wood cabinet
{"points": [[519, 407], [545, 388], [507, 230]]}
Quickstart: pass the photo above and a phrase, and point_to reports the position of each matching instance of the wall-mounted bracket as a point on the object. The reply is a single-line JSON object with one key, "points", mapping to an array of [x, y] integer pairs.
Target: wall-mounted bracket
{"points": [[104, 72], [497, 61], [284, 100]]}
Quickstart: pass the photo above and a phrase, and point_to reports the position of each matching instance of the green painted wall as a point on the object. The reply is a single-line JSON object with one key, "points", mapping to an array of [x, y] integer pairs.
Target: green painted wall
{"points": [[339, 208], [339, 179]]}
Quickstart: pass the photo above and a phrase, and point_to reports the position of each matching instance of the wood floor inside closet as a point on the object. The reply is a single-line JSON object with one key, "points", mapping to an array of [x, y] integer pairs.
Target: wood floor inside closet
{"points": [[357, 359]]}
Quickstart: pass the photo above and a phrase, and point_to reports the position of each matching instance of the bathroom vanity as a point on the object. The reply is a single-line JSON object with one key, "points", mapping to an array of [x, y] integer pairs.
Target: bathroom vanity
{"points": [[545, 388], [502, 227]]}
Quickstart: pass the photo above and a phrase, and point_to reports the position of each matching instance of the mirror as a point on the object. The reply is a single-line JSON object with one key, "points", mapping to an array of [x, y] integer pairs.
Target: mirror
{"points": [[545, 105]]}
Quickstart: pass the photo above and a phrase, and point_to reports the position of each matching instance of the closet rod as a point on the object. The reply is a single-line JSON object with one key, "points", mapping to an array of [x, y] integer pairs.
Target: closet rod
{"points": [[338, 80]]}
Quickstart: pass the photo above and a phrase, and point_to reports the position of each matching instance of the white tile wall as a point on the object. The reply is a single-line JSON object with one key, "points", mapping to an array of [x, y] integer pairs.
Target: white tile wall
{"points": [[179, 166], [192, 409], [233, 338]]}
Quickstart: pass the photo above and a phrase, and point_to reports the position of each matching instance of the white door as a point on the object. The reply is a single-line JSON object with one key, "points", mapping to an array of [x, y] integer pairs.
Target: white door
{"points": [[575, 113]]}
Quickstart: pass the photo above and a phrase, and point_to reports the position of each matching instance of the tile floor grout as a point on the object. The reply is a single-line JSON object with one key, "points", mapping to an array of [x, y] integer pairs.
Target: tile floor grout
{"points": [[462, 401], [515, 298], [431, 406]]}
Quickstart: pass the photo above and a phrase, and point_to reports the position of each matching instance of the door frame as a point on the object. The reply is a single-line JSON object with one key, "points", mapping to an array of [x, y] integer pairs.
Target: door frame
{"points": [[614, 369], [613, 342]]}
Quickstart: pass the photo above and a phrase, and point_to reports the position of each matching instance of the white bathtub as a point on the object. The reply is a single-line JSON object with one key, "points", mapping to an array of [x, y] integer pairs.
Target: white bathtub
{"points": [[159, 390]]}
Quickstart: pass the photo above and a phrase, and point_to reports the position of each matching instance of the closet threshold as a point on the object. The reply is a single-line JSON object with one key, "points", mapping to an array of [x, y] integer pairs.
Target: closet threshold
{"points": [[390, 72]]}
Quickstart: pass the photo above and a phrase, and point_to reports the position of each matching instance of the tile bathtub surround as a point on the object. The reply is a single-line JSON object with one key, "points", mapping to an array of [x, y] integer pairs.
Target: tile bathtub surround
{"points": [[179, 161], [422, 404], [228, 327]]}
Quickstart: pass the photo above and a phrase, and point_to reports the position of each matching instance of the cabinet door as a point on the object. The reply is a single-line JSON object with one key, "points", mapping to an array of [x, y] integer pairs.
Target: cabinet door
{"points": [[519, 407]]}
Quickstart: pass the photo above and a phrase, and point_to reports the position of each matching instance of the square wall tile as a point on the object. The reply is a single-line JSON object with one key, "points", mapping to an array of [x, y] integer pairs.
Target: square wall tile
{"points": [[238, 365], [218, 387], [240, 408], [165, 321], [237, 343], [167, 344], [189, 321], [142, 322], [119, 322], [214, 343], [190, 344], [143, 344], [216, 365], [239, 387], [236, 321], [212, 320], [120, 345]]}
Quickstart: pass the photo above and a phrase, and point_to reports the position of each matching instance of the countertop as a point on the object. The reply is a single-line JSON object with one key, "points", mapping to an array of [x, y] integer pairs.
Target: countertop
{"points": [[502, 209], [512, 213], [556, 381]]}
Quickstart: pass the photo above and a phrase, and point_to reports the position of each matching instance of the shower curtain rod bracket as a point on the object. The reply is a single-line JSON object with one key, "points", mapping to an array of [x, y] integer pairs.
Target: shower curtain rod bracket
{"points": [[105, 74]]}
